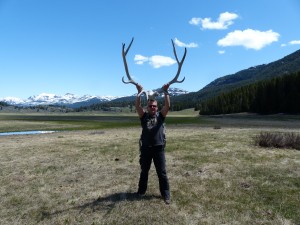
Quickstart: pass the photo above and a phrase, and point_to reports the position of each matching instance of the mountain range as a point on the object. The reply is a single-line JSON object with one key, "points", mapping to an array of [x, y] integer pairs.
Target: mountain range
{"points": [[72, 100]]}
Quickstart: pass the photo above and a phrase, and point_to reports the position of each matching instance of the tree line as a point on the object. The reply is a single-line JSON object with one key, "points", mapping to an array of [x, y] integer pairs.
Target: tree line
{"points": [[277, 95], [3, 103]]}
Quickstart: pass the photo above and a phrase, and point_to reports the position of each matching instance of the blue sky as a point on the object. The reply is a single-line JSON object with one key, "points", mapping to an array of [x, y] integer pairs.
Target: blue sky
{"points": [[74, 46]]}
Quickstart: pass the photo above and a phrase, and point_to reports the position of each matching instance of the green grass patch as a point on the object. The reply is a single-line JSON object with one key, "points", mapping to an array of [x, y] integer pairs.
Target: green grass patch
{"points": [[80, 122]]}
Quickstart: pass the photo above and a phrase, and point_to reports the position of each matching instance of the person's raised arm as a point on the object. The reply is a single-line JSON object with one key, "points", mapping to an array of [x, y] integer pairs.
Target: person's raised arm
{"points": [[164, 111], [138, 104]]}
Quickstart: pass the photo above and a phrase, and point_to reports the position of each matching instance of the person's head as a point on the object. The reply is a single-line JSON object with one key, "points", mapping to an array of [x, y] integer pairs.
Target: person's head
{"points": [[152, 106]]}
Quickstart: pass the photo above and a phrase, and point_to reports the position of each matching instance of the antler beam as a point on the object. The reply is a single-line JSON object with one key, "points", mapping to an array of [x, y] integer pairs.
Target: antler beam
{"points": [[180, 63], [124, 53]]}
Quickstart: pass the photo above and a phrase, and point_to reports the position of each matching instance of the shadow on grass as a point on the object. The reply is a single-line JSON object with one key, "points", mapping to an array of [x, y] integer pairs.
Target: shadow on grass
{"points": [[104, 203], [110, 201]]}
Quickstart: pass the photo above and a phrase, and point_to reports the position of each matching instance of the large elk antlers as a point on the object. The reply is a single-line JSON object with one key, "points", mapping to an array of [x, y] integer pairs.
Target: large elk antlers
{"points": [[151, 94]]}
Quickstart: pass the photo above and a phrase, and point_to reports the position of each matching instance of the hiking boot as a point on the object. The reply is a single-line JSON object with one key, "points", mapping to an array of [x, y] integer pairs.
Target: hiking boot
{"points": [[167, 201]]}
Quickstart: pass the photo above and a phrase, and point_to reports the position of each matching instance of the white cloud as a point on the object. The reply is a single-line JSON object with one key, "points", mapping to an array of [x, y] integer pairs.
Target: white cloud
{"points": [[224, 21], [253, 39], [139, 59], [195, 21], [294, 42], [156, 61], [221, 52], [181, 44]]}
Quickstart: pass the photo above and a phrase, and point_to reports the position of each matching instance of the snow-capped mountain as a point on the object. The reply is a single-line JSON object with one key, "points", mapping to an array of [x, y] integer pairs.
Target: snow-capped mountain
{"points": [[176, 91], [53, 99], [12, 100], [72, 100]]}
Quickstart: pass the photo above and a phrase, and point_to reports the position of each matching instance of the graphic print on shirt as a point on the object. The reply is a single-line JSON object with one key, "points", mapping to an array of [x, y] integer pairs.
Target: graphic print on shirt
{"points": [[151, 122]]}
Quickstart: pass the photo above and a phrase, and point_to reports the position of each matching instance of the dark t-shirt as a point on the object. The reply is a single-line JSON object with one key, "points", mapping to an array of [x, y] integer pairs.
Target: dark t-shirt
{"points": [[153, 133]]}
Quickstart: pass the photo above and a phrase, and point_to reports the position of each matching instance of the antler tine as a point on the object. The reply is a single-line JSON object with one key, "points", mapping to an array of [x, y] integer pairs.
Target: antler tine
{"points": [[124, 53], [128, 46], [180, 63]]}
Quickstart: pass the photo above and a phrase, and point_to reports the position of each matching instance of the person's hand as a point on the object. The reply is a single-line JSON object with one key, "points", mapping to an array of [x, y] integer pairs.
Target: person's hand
{"points": [[139, 88], [165, 87]]}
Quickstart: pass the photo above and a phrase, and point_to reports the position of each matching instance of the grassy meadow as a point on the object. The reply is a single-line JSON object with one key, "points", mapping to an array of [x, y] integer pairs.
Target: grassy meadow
{"points": [[87, 173]]}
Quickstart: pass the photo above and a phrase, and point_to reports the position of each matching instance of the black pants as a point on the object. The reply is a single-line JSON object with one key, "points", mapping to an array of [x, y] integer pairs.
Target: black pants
{"points": [[157, 153]]}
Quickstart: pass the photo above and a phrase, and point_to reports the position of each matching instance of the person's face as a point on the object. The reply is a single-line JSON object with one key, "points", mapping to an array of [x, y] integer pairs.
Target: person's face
{"points": [[152, 107]]}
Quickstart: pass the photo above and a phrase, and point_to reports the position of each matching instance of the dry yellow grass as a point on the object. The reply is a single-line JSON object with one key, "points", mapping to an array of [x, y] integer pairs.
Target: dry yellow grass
{"points": [[217, 176]]}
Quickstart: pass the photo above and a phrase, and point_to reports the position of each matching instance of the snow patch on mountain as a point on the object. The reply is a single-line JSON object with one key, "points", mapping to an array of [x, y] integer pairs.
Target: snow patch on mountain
{"points": [[12, 100], [177, 91]]}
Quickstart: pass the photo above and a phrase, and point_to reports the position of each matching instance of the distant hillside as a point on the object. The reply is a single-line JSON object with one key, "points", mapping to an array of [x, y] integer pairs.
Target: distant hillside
{"points": [[277, 95], [172, 91], [286, 65]]}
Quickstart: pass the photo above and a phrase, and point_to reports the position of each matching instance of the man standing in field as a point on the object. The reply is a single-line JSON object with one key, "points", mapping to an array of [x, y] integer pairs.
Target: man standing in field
{"points": [[153, 143]]}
